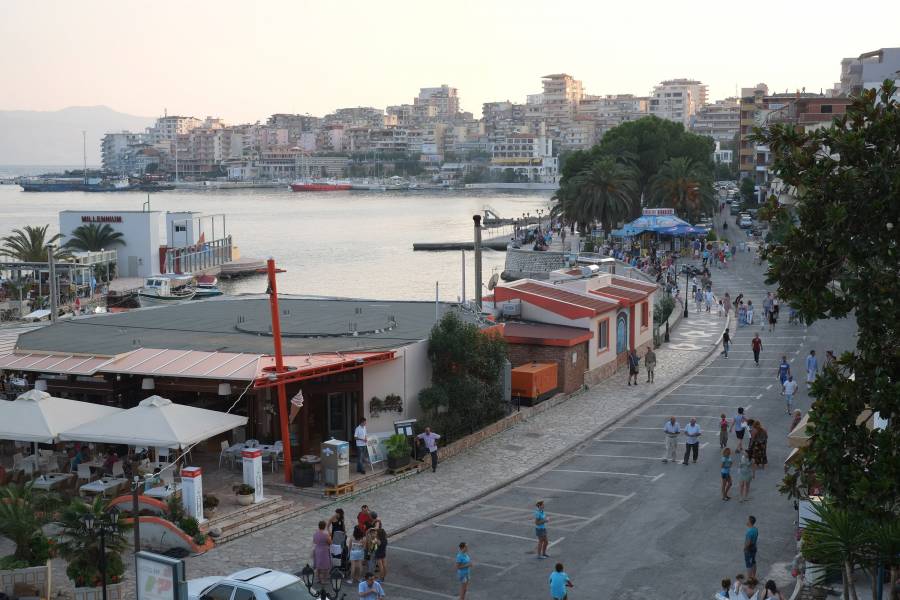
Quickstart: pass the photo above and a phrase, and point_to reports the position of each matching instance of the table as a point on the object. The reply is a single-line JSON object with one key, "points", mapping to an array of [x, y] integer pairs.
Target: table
{"points": [[51, 481], [163, 492], [103, 485], [150, 467]]}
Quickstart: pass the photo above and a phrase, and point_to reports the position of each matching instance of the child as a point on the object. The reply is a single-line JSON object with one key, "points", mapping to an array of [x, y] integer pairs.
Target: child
{"points": [[726, 473], [723, 431], [721, 308], [726, 586], [746, 475], [738, 584]]}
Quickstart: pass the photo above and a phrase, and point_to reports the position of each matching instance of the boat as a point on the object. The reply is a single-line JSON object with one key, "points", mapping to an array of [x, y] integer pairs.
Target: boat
{"points": [[206, 287], [320, 185], [38, 184], [166, 289]]}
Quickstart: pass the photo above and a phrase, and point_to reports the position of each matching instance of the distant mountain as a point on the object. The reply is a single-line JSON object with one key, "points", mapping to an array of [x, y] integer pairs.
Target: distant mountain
{"points": [[29, 137]]}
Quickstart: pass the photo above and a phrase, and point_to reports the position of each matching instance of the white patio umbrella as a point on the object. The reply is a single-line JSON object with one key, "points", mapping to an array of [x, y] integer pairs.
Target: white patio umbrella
{"points": [[38, 417], [156, 422]]}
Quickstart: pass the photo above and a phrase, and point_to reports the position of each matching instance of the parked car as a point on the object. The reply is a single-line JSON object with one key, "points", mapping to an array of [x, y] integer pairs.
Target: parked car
{"points": [[254, 583], [745, 222]]}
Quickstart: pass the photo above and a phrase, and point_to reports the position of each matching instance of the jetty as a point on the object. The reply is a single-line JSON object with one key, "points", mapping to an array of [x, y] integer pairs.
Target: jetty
{"points": [[495, 243]]}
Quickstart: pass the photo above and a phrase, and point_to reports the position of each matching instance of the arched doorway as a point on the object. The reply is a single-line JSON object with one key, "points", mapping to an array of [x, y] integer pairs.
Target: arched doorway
{"points": [[621, 333]]}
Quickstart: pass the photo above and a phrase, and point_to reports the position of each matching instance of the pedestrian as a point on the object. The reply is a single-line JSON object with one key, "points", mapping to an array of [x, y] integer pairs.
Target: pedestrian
{"points": [[756, 345], [738, 425], [798, 416], [723, 431], [719, 308], [430, 440], [790, 388], [336, 522], [726, 342], [767, 307], [723, 593], [726, 473], [692, 440], [759, 441], [364, 518], [738, 584], [742, 314], [773, 318], [540, 529], [650, 363], [698, 300], [671, 429], [361, 445], [749, 590], [370, 589], [812, 368], [463, 564], [745, 476], [750, 542], [322, 553], [371, 548], [784, 371], [381, 553], [749, 312], [634, 362], [726, 304], [829, 359], [776, 305], [771, 591], [559, 582], [708, 299], [357, 554]]}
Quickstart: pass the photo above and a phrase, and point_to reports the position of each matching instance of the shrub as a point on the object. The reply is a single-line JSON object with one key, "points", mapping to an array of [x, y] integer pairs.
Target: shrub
{"points": [[200, 538], [397, 446], [243, 489], [210, 501], [189, 525], [663, 309]]}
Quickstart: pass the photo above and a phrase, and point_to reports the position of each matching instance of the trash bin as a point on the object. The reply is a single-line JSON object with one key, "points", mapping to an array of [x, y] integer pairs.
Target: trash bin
{"points": [[304, 474]]}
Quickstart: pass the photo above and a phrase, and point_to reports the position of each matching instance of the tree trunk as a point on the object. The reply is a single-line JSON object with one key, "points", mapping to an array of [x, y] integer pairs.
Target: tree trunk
{"points": [[849, 584]]}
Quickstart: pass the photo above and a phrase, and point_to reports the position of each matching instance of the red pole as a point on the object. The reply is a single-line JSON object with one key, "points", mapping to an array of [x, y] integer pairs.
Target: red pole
{"points": [[279, 369]]}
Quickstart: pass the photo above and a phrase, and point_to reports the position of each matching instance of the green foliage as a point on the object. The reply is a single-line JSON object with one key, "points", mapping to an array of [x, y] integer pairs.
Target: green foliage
{"points": [[748, 191], [842, 260], [210, 501], [244, 489], [711, 236], [685, 186], [174, 509], [94, 237], [397, 446], [82, 548], [29, 244], [200, 538], [21, 522], [189, 525], [663, 309], [465, 394], [604, 191]]}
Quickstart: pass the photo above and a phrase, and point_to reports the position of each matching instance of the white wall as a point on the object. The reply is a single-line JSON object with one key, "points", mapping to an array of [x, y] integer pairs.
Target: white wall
{"points": [[187, 220], [139, 255], [406, 375]]}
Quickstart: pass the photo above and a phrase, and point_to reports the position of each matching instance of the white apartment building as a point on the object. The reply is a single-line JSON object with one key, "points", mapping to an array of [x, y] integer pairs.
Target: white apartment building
{"points": [[114, 147], [869, 70], [720, 156], [167, 128], [526, 155], [720, 121], [678, 100], [444, 99]]}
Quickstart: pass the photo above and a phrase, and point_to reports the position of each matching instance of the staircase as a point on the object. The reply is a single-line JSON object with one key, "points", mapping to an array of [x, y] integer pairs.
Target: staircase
{"points": [[252, 518]]}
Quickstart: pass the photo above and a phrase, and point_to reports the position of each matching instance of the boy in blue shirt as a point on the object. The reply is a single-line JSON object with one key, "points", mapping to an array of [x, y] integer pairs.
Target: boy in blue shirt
{"points": [[559, 581], [463, 563], [750, 539]]}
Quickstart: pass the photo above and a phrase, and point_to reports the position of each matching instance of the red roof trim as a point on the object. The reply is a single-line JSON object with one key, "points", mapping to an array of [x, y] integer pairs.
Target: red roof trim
{"points": [[560, 307], [634, 284]]}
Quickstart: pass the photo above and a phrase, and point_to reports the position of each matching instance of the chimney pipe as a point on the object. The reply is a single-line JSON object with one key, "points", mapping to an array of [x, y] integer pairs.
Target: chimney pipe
{"points": [[477, 219]]}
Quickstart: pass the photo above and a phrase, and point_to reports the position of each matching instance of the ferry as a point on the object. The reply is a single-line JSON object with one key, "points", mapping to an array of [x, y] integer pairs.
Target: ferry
{"points": [[160, 290], [321, 185]]}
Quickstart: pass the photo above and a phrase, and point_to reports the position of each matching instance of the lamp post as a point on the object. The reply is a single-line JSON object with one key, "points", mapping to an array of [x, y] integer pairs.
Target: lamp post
{"points": [[336, 578], [687, 282], [108, 523]]}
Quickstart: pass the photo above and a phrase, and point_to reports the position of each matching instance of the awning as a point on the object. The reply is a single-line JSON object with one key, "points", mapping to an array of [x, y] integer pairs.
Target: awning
{"points": [[62, 363], [186, 363], [36, 416], [799, 436], [316, 365], [156, 422]]}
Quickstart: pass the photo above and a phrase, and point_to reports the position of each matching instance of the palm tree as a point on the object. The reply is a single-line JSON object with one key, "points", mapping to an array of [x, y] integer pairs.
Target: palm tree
{"points": [[605, 192], [93, 237], [838, 540], [29, 244], [21, 520], [82, 548], [683, 185]]}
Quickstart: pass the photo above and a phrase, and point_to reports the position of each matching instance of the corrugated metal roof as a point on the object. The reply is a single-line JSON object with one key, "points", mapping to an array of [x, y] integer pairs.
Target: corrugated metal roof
{"points": [[598, 305], [634, 284], [67, 364], [186, 363], [621, 292]]}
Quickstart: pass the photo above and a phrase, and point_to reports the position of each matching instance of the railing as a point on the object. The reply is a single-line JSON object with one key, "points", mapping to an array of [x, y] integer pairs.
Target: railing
{"points": [[192, 259]]}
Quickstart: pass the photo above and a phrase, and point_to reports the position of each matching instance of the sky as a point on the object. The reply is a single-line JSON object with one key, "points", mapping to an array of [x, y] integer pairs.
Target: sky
{"points": [[244, 60]]}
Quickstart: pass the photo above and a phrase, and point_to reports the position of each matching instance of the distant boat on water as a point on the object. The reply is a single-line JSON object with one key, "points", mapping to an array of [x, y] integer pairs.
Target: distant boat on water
{"points": [[321, 185]]}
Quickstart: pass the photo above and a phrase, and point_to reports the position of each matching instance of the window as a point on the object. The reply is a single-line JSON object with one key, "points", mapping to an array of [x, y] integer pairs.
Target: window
{"points": [[242, 594], [826, 108], [645, 314], [220, 592], [603, 336]]}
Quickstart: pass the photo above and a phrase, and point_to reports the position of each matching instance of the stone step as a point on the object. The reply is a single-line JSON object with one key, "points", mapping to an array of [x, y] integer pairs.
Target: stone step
{"points": [[244, 512], [286, 511]]}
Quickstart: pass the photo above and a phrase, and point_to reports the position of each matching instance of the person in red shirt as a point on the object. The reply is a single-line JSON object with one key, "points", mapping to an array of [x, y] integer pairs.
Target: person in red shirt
{"points": [[756, 345], [364, 518]]}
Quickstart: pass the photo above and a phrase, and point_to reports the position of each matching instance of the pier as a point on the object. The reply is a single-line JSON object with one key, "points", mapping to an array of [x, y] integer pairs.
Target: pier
{"points": [[495, 243]]}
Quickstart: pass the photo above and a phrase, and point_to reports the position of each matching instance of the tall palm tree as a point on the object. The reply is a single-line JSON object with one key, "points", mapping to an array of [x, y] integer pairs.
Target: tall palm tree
{"points": [[683, 185], [29, 244], [605, 192], [93, 237]]}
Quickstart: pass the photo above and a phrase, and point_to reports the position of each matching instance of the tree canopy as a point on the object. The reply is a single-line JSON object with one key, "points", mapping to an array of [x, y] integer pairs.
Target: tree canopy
{"points": [[93, 237], [29, 244], [683, 185], [841, 260]]}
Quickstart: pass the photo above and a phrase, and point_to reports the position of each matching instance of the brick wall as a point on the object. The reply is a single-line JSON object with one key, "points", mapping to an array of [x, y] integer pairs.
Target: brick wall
{"points": [[606, 371], [570, 376]]}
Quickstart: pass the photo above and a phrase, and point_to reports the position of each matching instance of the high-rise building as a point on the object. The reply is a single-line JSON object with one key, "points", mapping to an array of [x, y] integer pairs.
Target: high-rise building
{"points": [[559, 99], [167, 128], [720, 120], [444, 98], [678, 100], [869, 70]]}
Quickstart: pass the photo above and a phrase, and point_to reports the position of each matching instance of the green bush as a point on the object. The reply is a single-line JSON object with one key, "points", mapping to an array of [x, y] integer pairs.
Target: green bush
{"points": [[397, 446], [174, 510], [189, 525], [711, 236], [200, 539], [663, 309]]}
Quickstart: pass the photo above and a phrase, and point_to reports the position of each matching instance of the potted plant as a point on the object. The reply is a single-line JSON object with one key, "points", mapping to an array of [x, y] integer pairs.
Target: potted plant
{"points": [[304, 474], [210, 503], [245, 494], [22, 517], [398, 451]]}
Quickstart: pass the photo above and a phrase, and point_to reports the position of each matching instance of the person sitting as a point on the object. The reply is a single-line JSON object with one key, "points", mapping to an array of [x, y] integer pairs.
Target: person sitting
{"points": [[81, 455], [111, 459]]}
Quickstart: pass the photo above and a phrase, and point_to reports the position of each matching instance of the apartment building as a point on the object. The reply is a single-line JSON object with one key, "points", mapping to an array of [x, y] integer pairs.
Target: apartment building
{"points": [[720, 120], [678, 100], [869, 70], [167, 128], [114, 146], [444, 99], [360, 116], [529, 156]]}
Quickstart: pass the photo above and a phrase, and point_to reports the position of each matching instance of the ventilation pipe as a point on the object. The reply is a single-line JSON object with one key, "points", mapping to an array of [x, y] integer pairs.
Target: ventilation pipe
{"points": [[477, 219]]}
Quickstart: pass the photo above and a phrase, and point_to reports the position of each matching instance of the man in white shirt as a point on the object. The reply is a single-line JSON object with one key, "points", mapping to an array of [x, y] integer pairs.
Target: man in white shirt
{"points": [[671, 429], [361, 447], [430, 440], [790, 388], [692, 435]]}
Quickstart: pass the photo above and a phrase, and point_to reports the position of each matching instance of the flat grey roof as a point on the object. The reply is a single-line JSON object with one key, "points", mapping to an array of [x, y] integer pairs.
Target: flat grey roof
{"points": [[241, 324]]}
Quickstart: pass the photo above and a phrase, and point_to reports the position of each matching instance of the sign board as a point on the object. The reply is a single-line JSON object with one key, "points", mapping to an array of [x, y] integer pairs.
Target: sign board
{"points": [[658, 212], [159, 577], [101, 218], [253, 474], [375, 446], [192, 492]]}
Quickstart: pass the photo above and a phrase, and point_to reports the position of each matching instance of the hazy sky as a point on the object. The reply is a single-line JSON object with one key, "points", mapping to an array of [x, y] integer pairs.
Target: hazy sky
{"points": [[243, 60]]}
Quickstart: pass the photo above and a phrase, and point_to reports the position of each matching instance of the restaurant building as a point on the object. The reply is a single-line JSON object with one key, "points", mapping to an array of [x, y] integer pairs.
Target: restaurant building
{"points": [[342, 354]]}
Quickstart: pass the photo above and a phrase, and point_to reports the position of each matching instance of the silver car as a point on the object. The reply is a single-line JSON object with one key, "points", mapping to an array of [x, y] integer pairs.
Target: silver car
{"points": [[250, 584]]}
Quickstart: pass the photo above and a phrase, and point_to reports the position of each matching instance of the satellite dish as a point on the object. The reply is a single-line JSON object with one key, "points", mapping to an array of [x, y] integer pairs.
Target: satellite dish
{"points": [[492, 282]]}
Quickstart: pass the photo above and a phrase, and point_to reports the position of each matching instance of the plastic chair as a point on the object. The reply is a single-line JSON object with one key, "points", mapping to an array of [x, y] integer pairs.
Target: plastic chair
{"points": [[251, 444], [162, 454], [224, 454], [84, 473]]}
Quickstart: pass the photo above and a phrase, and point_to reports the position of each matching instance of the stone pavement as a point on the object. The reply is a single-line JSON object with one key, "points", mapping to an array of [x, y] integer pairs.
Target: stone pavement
{"points": [[494, 463]]}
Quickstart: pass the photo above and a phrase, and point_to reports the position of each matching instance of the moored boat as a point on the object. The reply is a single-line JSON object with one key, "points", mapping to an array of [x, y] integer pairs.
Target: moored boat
{"points": [[320, 185], [166, 289], [206, 287]]}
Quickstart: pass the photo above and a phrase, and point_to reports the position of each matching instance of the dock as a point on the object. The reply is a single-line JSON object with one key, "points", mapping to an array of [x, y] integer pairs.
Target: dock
{"points": [[495, 243]]}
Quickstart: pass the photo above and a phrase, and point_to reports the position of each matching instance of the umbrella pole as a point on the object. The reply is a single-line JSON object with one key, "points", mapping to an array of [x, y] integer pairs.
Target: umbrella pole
{"points": [[279, 369]]}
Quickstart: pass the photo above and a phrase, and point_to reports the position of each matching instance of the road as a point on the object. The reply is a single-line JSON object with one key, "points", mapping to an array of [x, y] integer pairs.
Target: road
{"points": [[625, 524]]}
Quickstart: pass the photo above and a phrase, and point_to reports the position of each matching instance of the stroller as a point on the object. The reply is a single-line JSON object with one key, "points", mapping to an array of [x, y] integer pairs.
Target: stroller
{"points": [[340, 554]]}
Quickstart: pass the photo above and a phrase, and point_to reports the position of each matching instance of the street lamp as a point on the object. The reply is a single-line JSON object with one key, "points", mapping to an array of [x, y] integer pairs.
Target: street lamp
{"points": [[687, 282], [307, 575], [108, 523]]}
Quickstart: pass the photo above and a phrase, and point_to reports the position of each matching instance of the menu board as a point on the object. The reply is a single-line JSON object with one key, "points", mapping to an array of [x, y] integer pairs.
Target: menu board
{"points": [[159, 577], [376, 447]]}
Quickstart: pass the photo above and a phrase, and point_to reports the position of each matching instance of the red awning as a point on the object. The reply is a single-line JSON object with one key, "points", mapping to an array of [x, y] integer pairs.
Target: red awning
{"points": [[299, 368]]}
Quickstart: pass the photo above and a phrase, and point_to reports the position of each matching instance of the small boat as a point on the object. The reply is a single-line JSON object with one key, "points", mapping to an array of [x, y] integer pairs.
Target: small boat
{"points": [[166, 289], [206, 287], [321, 185]]}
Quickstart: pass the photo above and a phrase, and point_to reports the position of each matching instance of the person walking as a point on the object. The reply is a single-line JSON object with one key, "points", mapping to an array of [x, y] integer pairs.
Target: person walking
{"points": [[726, 341], [430, 440], [725, 472], [812, 368], [756, 346], [559, 583], [751, 538], [723, 431], [773, 319], [381, 553], [798, 416], [784, 371], [671, 429], [749, 312], [463, 564], [540, 529], [361, 438], [698, 299], [829, 359], [770, 592], [357, 554], [745, 475], [738, 425], [634, 362], [692, 440], [759, 441], [767, 307], [790, 388], [322, 552], [708, 299], [650, 363], [370, 589], [726, 304]]}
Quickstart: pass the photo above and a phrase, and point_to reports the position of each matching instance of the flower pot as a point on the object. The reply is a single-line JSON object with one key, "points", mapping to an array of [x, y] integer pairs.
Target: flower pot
{"points": [[209, 513], [244, 499], [397, 462], [113, 592]]}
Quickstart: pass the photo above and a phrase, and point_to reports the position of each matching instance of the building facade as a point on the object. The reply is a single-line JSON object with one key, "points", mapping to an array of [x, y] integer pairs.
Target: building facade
{"points": [[678, 100]]}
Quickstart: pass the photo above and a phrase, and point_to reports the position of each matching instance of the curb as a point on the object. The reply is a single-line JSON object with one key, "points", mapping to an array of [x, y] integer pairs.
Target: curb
{"points": [[648, 401]]}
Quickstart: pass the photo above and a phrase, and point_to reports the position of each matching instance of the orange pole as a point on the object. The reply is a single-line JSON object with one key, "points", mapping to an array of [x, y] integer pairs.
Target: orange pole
{"points": [[279, 369]]}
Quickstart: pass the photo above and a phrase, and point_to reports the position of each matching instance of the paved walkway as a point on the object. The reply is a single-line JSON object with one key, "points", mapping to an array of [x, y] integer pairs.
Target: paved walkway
{"points": [[481, 470]]}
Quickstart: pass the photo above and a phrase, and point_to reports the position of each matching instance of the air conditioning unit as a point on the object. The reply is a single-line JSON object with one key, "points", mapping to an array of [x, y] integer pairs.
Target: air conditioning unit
{"points": [[511, 308]]}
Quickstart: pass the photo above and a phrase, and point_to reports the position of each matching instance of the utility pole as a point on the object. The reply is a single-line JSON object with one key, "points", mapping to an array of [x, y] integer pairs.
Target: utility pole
{"points": [[279, 370], [84, 155], [52, 275]]}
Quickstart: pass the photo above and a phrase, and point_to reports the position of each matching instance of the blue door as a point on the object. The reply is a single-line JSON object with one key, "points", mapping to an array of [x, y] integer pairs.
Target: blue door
{"points": [[621, 333]]}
